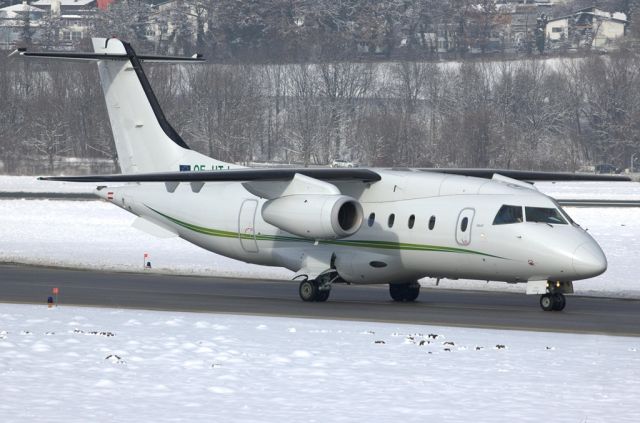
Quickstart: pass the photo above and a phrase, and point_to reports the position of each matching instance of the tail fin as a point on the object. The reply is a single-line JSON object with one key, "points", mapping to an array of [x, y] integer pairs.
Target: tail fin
{"points": [[145, 140]]}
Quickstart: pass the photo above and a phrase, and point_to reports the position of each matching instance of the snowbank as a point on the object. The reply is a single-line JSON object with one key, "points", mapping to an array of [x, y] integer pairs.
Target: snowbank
{"points": [[72, 364]]}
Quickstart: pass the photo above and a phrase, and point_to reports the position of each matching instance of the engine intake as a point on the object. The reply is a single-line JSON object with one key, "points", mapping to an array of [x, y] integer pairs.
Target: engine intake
{"points": [[315, 216]]}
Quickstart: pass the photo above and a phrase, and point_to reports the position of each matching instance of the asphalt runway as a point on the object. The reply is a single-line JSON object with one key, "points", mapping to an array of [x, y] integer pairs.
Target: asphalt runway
{"points": [[152, 291]]}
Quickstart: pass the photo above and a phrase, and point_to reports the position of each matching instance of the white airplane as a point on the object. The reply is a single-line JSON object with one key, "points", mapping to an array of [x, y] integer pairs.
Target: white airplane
{"points": [[354, 225]]}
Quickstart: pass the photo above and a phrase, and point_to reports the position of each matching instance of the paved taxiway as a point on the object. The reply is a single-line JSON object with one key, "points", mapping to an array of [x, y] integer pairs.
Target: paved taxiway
{"points": [[154, 291]]}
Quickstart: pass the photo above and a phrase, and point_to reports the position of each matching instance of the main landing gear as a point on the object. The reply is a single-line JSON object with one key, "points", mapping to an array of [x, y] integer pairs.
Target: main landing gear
{"points": [[310, 291], [553, 302], [404, 292]]}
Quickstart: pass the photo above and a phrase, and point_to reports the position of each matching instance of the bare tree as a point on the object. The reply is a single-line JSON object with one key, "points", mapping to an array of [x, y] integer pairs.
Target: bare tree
{"points": [[613, 105], [227, 111], [275, 91], [50, 139], [343, 85], [309, 121]]}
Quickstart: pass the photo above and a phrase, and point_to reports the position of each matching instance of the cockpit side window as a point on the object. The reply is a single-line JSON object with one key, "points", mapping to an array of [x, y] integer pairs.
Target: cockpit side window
{"points": [[544, 215], [563, 212], [508, 214]]}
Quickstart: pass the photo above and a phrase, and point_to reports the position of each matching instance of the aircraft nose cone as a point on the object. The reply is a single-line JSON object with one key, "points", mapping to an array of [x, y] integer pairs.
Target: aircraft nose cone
{"points": [[589, 260]]}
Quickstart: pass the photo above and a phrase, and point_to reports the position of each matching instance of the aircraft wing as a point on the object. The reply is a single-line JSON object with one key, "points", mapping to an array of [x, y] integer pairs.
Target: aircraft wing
{"points": [[361, 174], [278, 174], [526, 175]]}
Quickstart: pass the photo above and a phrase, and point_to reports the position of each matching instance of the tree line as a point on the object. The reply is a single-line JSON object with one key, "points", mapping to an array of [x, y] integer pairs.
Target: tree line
{"points": [[556, 114], [278, 31]]}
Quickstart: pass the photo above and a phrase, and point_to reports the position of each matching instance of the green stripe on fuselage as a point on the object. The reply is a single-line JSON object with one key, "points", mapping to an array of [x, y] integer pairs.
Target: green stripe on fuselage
{"points": [[385, 245]]}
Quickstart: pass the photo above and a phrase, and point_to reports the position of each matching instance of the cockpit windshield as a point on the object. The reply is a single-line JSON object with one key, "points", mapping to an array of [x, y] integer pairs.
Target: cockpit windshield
{"points": [[508, 214], [544, 215], [513, 214]]}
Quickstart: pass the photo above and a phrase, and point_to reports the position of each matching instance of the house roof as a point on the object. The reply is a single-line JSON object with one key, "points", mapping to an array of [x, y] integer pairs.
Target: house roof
{"points": [[615, 16], [11, 14], [17, 8], [64, 3], [559, 18]]}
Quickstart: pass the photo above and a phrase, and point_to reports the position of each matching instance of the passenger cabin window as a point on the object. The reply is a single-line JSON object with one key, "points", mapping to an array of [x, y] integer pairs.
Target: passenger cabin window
{"points": [[544, 215], [412, 221], [464, 224], [432, 222], [392, 218], [372, 219], [508, 214]]}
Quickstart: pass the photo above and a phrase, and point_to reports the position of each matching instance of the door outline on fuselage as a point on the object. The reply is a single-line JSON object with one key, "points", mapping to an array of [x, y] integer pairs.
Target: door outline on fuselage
{"points": [[247, 226], [464, 237]]}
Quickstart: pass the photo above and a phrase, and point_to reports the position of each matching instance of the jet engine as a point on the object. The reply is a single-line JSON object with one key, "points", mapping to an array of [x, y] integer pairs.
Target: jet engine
{"points": [[314, 216]]}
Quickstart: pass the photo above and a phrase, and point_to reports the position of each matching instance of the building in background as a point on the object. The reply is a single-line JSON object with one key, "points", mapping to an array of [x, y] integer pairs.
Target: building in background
{"points": [[75, 17], [586, 28], [19, 24]]}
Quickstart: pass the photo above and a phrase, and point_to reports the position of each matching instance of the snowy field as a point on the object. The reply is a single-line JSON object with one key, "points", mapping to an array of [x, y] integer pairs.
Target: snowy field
{"points": [[32, 184], [72, 364], [98, 235]]}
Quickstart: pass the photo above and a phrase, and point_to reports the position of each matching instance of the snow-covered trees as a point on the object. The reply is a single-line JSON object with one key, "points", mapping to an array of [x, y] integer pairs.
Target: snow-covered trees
{"points": [[528, 114]]}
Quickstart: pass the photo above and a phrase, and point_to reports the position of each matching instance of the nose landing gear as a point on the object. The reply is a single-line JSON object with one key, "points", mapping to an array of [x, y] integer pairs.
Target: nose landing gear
{"points": [[553, 302], [551, 293]]}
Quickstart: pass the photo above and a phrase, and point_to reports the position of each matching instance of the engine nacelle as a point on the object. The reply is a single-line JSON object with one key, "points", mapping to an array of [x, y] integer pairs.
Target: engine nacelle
{"points": [[314, 216]]}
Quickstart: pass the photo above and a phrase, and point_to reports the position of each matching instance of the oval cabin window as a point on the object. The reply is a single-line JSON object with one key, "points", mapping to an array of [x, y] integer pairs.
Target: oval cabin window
{"points": [[432, 223], [464, 224]]}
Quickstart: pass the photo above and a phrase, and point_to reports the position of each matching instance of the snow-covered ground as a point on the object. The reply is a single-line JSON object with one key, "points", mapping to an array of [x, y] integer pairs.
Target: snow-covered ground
{"points": [[72, 364], [98, 235], [32, 184], [591, 190]]}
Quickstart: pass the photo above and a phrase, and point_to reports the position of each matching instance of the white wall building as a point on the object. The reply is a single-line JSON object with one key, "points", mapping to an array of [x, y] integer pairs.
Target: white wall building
{"points": [[590, 27]]}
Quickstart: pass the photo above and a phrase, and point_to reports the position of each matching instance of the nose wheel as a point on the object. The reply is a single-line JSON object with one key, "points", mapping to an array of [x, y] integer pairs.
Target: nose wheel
{"points": [[553, 302]]}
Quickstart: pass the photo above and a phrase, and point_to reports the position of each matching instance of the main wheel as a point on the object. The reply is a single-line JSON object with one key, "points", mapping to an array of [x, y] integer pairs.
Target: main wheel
{"points": [[308, 290], [404, 292], [396, 292], [559, 301], [546, 302], [412, 291]]}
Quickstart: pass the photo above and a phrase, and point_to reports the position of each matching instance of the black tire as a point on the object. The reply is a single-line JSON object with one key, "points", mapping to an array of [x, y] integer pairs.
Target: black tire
{"points": [[308, 290], [396, 291], [559, 301], [404, 292], [547, 302], [412, 292], [323, 296]]}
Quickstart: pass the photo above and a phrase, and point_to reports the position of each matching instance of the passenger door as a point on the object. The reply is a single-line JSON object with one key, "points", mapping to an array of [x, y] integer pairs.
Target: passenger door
{"points": [[463, 226], [246, 226]]}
